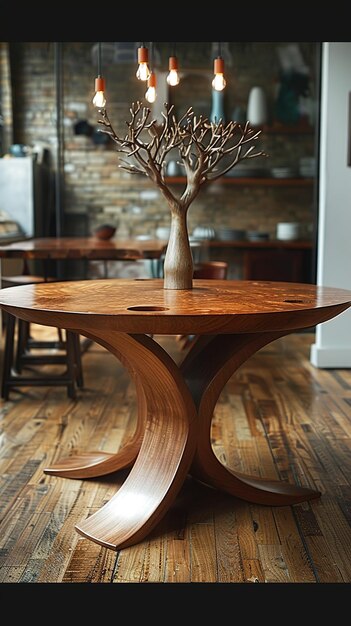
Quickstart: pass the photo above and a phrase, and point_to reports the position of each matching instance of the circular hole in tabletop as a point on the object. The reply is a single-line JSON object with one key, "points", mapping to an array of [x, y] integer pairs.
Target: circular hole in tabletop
{"points": [[298, 301], [150, 307]]}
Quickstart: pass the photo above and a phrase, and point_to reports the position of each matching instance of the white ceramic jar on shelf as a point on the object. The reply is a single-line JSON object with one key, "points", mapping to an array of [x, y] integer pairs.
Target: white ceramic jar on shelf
{"points": [[288, 230], [257, 112]]}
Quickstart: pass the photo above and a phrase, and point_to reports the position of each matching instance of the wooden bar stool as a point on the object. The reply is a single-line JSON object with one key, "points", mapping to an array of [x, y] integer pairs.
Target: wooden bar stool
{"points": [[22, 357]]}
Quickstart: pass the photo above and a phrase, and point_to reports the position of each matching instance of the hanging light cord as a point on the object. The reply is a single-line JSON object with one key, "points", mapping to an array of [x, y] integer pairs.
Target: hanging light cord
{"points": [[99, 59], [219, 49], [151, 56]]}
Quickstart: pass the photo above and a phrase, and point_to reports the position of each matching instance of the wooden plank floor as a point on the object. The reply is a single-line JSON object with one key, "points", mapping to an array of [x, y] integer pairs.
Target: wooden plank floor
{"points": [[278, 417]]}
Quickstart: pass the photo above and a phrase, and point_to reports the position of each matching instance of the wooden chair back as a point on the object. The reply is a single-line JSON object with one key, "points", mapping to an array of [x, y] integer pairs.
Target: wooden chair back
{"points": [[211, 269]]}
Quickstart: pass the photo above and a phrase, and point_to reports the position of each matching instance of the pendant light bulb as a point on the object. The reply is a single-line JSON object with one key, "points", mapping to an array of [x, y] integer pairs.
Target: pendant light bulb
{"points": [[99, 100], [219, 81], [151, 94], [143, 71], [173, 76]]}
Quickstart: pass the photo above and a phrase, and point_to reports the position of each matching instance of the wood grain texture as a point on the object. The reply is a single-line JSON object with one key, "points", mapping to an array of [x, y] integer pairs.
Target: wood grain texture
{"points": [[178, 263], [93, 567], [175, 404], [44, 424], [144, 306], [207, 373], [169, 425]]}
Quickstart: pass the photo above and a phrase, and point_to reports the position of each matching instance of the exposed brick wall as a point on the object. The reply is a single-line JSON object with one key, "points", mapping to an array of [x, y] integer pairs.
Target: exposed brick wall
{"points": [[33, 93], [96, 189], [5, 100]]}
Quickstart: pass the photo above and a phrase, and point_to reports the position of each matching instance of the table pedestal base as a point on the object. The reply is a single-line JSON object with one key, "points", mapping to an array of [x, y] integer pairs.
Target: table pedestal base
{"points": [[172, 438]]}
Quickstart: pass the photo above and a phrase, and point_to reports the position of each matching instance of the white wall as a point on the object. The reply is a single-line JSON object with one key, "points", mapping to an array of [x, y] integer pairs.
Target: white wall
{"points": [[332, 347]]}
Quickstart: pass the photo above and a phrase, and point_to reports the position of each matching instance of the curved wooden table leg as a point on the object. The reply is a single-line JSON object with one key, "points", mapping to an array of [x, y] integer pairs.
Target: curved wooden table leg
{"points": [[167, 449], [207, 368], [98, 463]]}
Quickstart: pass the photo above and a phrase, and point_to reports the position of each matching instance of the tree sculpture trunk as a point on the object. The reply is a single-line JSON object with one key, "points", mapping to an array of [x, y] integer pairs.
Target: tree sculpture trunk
{"points": [[178, 265]]}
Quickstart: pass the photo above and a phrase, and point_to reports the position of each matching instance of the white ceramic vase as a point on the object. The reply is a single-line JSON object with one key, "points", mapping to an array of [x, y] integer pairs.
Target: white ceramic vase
{"points": [[257, 113]]}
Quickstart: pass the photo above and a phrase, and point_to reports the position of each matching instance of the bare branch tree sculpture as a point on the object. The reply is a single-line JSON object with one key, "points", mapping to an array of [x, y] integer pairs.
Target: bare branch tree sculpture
{"points": [[206, 151]]}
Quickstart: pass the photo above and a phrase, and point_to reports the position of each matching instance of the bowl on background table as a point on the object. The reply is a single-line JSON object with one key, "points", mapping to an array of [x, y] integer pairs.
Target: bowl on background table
{"points": [[105, 231]]}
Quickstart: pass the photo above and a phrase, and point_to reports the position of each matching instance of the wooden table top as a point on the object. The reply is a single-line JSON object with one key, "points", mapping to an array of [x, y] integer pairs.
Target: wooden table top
{"points": [[83, 248], [144, 306]]}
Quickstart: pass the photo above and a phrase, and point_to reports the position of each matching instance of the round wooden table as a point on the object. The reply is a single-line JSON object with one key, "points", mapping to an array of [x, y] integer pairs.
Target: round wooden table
{"points": [[232, 321]]}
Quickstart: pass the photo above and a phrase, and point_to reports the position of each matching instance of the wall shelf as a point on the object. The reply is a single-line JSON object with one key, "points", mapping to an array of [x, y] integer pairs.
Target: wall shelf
{"points": [[302, 128], [251, 182]]}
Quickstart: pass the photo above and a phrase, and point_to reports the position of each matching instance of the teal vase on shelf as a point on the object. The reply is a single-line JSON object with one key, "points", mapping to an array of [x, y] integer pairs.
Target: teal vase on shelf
{"points": [[217, 110]]}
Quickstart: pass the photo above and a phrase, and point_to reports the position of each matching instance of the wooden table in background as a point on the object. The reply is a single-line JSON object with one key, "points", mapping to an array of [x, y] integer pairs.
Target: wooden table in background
{"points": [[83, 248], [233, 320], [262, 260]]}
